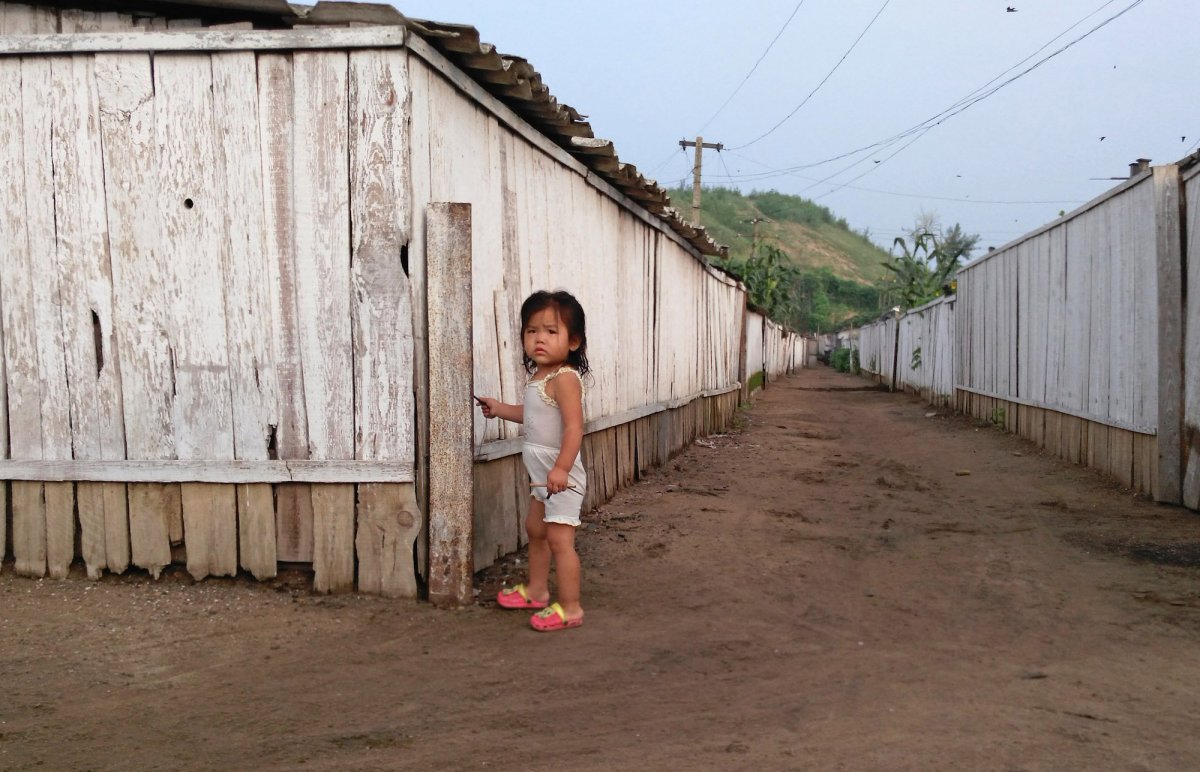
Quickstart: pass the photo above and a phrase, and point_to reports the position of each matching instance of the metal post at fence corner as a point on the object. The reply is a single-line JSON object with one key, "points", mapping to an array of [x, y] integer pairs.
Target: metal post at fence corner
{"points": [[896, 347]]}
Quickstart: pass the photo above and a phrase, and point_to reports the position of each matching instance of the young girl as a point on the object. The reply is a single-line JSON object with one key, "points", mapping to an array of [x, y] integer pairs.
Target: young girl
{"points": [[555, 342]]}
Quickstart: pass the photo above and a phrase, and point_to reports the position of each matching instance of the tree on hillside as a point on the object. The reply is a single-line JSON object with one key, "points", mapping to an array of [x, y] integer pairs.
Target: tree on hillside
{"points": [[928, 261]]}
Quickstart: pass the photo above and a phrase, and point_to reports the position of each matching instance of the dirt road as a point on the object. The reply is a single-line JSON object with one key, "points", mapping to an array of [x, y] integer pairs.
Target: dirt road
{"points": [[844, 583]]}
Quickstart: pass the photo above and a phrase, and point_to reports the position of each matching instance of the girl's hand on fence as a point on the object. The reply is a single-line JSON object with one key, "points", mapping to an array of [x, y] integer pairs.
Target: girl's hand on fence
{"points": [[488, 406], [556, 481]]}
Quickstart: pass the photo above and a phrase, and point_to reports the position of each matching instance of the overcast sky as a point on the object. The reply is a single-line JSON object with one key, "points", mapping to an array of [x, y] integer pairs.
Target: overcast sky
{"points": [[651, 73]]}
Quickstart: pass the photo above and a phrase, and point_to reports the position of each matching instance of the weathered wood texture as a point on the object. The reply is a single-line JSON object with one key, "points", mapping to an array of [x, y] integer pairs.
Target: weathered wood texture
{"points": [[212, 288], [755, 323], [448, 232], [663, 327], [1191, 356], [925, 359], [1069, 320], [1077, 337]]}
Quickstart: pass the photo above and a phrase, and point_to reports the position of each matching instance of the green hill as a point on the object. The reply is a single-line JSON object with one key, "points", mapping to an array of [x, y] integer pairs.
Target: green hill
{"points": [[811, 235], [837, 274]]}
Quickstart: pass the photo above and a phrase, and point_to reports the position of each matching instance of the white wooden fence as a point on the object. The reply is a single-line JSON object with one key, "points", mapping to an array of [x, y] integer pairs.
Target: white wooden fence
{"points": [[216, 308], [1074, 336], [1191, 357]]}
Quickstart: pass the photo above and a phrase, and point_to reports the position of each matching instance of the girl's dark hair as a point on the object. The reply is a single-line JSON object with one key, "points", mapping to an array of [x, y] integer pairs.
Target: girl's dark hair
{"points": [[570, 312]]}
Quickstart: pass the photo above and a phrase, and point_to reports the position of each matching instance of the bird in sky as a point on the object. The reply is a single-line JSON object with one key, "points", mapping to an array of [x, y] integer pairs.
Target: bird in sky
{"points": [[1010, 9], [1102, 138]]}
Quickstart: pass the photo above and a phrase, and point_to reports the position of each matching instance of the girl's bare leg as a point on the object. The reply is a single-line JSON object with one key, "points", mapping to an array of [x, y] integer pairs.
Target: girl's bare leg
{"points": [[538, 585], [561, 540]]}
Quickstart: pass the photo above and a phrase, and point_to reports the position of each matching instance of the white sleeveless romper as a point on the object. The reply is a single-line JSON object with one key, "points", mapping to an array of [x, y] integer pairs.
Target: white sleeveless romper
{"points": [[543, 443]]}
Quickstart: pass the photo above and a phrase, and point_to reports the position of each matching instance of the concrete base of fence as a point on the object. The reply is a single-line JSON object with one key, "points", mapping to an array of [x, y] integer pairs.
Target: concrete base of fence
{"points": [[614, 458]]}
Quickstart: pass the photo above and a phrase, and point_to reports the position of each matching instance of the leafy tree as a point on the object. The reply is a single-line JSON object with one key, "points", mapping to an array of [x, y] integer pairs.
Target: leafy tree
{"points": [[928, 261]]}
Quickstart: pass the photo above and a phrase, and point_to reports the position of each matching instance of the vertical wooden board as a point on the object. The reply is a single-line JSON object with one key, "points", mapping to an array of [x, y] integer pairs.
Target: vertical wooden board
{"points": [[448, 239], [380, 222], [497, 523], [486, 197], [126, 109], [388, 523], [256, 530], [322, 250], [417, 153], [1104, 255], [246, 266], [90, 503], [1120, 459], [17, 349], [1191, 355], [60, 528], [294, 522], [116, 526], [75, 20], [190, 207], [29, 528], [323, 297], [191, 203], [333, 537], [1168, 271], [1122, 278], [1075, 371], [86, 292], [27, 19], [243, 255], [210, 529], [152, 507], [293, 515], [55, 422]]}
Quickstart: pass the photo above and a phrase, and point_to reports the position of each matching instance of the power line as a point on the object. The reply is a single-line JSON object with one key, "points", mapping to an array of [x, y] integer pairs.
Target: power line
{"points": [[976, 96], [752, 69], [823, 80], [908, 195]]}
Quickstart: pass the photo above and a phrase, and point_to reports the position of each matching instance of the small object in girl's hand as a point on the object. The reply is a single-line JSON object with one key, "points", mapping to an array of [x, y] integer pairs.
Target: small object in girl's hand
{"points": [[543, 485], [478, 399]]}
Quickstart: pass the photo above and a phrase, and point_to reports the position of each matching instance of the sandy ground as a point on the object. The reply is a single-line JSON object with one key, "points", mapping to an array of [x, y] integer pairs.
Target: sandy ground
{"points": [[825, 588]]}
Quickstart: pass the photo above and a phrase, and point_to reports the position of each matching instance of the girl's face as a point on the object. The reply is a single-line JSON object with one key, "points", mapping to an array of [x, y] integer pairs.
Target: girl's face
{"points": [[546, 339]]}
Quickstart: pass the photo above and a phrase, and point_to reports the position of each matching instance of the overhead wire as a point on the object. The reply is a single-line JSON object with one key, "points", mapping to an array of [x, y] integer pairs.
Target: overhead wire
{"points": [[828, 75], [752, 69], [912, 195], [974, 97]]}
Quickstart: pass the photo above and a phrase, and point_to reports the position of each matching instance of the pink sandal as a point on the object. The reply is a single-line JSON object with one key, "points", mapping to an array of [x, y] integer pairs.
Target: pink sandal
{"points": [[553, 618], [517, 597]]}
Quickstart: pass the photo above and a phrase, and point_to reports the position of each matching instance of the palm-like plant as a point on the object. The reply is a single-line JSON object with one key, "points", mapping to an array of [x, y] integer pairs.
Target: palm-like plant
{"points": [[923, 270]]}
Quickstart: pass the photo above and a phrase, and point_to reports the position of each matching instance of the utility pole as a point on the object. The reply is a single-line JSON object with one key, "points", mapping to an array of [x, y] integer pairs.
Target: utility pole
{"points": [[699, 144]]}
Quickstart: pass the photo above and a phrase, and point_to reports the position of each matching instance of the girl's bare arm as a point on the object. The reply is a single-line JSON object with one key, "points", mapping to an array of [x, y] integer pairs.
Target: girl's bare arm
{"points": [[494, 408], [568, 393]]}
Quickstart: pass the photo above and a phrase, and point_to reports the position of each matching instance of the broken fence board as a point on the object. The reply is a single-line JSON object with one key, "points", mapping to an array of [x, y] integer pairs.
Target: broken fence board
{"points": [[388, 524]]}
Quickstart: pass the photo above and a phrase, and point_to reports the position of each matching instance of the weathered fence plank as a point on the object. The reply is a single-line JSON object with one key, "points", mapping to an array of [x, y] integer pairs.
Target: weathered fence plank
{"points": [[388, 524], [451, 475], [190, 205], [1191, 358], [381, 315], [247, 298], [323, 295], [293, 505], [125, 99], [1168, 266]]}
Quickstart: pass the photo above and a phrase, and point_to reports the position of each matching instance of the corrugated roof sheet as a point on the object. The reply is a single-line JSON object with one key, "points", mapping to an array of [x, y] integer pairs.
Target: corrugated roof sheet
{"points": [[511, 79]]}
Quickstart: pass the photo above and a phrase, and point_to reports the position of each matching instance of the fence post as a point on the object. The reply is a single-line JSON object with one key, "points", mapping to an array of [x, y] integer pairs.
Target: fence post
{"points": [[1169, 254], [450, 408]]}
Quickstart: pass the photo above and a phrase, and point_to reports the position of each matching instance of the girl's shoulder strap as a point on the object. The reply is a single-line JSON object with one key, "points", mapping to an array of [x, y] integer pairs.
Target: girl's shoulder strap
{"points": [[560, 371]]}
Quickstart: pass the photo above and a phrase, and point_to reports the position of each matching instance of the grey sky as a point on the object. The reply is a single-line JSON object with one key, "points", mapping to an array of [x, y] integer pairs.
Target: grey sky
{"points": [[649, 74]]}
